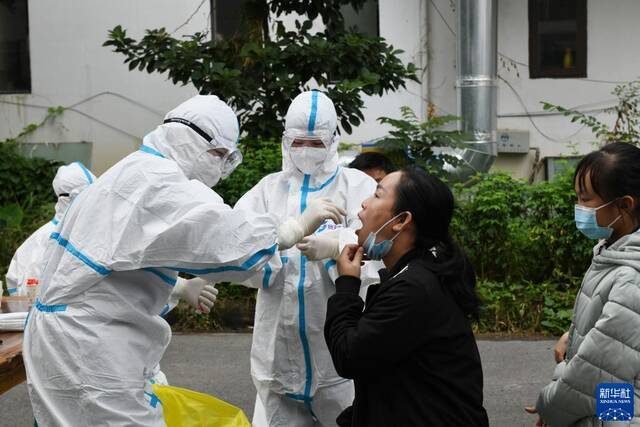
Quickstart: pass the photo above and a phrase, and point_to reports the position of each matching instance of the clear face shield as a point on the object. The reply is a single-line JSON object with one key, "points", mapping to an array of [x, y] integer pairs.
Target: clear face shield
{"points": [[300, 138], [227, 159], [230, 161], [307, 150]]}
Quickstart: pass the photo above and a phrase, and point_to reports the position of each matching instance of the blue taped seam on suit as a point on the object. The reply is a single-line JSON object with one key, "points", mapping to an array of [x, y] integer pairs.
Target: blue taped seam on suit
{"points": [[323, 185], [147, 149], [301, 305], [82, 257], [267, 276], [165, 310], [86, 172], [302, 325], [305, 192], [166, 279], [26, 321], [49, 308], [299, 397], [307, 401], [314, 111], [244, 267], [153, 399]]}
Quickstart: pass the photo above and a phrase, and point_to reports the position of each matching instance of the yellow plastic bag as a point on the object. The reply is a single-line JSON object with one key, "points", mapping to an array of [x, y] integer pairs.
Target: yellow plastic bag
{"points": [[186, 408]]}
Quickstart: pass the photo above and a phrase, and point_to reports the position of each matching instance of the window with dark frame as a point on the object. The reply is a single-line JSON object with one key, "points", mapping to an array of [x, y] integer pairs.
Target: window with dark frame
{"points": [[15, 74], [366, 20], [227, 20], [557, 38]]}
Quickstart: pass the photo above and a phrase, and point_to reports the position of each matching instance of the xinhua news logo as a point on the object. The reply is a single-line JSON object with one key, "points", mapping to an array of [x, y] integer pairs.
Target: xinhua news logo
{"points": [[614, 402]]}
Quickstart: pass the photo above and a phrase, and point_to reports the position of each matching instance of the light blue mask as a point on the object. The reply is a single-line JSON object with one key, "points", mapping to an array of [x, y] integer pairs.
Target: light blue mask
{"points": [[376, 251], [587, 222]]}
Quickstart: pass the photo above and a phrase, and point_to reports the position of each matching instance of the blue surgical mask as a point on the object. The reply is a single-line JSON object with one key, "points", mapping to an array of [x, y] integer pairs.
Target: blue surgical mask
{"points": [[376, 251], [587, 222]]}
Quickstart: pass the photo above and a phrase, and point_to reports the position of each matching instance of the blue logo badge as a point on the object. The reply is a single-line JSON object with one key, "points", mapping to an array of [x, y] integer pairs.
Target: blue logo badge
{"points": [[614, 402]]}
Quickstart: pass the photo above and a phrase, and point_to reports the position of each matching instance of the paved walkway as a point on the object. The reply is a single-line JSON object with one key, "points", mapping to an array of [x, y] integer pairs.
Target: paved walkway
{"points": [[218, 364]]}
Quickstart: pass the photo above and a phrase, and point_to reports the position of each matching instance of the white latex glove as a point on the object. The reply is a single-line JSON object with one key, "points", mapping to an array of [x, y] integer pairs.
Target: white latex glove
{"points": [[198, 293], [322, 246], [294, 229]]}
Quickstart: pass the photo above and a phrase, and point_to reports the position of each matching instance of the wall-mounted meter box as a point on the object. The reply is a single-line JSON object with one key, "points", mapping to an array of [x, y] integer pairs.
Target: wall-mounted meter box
{"points": [[513, 141]]}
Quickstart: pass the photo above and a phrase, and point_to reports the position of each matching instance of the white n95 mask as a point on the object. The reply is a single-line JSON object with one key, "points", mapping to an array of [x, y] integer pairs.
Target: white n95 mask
{"points": [[62, 205], [308, 159], [207, 169]]}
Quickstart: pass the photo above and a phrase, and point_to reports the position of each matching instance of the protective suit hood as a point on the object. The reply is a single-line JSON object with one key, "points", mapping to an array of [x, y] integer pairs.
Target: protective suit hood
{"points": [[311, 115], [183, 137], [70, 180]]}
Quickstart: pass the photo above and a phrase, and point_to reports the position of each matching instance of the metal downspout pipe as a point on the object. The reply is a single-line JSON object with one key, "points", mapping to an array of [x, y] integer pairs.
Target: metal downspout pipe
{"points": [[476, 83]]}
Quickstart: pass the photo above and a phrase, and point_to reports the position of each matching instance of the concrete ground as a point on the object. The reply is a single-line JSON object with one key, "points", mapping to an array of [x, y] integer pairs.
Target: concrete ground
{"points": [[218, 364]]}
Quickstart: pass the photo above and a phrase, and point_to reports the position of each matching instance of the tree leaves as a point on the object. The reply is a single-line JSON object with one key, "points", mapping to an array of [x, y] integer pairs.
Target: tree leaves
{"points": [[422, 142], [259, 77], [627, 116]]}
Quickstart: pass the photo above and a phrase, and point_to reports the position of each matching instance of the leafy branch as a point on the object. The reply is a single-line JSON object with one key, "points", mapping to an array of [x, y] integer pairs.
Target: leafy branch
{"points": [[626, 127], [259, 73], [421, 142]]}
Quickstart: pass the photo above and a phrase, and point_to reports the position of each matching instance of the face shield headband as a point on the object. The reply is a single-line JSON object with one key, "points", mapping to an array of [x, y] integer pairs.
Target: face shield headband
{"points": [[230, 160]]}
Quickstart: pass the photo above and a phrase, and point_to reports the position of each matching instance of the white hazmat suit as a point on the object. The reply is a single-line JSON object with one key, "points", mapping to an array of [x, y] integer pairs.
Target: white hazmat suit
{"points": [[94, 337], [290, 363], [27, 262]]}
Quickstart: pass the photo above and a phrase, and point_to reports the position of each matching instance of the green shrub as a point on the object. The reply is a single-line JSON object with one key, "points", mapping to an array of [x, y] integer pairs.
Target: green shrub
{"points": [[27, 199], [23, 179], [525, 307], [513, 231], [227, 314], [259, 160]]}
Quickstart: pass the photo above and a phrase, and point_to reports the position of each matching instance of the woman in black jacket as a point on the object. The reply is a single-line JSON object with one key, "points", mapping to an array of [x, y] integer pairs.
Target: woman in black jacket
{"points": [[411, 352]]}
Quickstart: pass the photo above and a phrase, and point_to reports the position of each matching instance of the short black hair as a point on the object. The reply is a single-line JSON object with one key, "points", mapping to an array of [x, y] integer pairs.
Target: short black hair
{"points": [[372, 160], [614, 172]]}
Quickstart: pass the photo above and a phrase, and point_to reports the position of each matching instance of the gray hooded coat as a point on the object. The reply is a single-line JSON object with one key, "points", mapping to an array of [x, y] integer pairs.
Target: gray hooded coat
{"points": [[604, 338]]}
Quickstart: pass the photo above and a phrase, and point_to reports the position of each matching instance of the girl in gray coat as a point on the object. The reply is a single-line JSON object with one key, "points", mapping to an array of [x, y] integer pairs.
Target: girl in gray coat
{"points": [[603, 343]]}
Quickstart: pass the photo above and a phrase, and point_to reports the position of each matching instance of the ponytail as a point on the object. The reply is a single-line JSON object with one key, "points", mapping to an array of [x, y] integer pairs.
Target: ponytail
{"points": [[431, 204]]}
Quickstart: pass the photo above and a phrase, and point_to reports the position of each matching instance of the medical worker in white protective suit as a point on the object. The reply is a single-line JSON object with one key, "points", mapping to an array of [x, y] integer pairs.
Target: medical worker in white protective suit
{"points": [[26, 264], [94, 336], [290, 363]]}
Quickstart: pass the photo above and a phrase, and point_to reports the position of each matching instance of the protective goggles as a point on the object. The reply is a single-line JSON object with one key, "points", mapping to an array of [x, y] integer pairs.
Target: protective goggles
{"points": [[291, 135], [230, 160]]}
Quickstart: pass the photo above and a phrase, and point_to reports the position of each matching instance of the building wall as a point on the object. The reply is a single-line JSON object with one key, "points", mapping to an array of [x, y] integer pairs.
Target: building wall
{"points": [[612, 58], [612, 51], [403, 28], [69, 65]]}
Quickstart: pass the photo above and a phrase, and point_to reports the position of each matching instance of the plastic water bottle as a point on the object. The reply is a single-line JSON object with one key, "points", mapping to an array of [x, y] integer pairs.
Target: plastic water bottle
{"points": [[32, 289]]}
